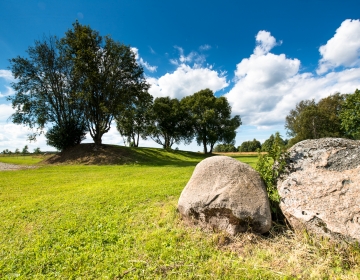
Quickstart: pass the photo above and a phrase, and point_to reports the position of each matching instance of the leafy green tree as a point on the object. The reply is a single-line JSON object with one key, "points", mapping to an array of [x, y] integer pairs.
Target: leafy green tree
{"points": [[45, 91], [170, 123], [25, 150], [350, 115], [37, 151], [225, 148], [107, 76], [250, 146], [311, 120], [269, 143], [211, 119], [136, 119], [17, 151]]}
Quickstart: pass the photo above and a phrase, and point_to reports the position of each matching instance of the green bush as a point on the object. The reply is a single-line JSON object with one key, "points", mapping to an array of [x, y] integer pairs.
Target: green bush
{"points": [[271, 166]]}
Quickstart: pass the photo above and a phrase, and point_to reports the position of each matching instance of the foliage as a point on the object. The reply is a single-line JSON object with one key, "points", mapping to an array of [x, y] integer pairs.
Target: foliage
{"points": [[250, 146], [17, 151], [311, 120], [45, 89], [211, 119], [271, 166], [25, 150], [350, 115], [70, 134], [6, 151], [170, 123], [37, 151], [225, 148], [136, 119], [267, 146], [107, 75]]}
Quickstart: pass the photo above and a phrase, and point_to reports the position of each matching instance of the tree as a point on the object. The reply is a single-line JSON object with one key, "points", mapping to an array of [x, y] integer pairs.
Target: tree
{"points": [[25, 150], [17, 151], [211, 119], [45, 91], [37, 151], [136, 119], [250, 146], [311, 120], [225, 148], [107, 76], [170, 123], [350, 115], [273, 140]]}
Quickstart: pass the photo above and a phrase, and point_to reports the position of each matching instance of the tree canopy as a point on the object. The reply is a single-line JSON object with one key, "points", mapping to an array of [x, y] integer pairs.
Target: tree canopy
{"points": [[170, 123], [75, 85], [211, 119], [311, 120], [46, 93], [350, 115], [107, 75], [250, 146], [135, 121]]}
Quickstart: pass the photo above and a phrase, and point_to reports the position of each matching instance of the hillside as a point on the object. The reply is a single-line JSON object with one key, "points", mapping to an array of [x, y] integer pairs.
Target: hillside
{"points": [[88, 154]]}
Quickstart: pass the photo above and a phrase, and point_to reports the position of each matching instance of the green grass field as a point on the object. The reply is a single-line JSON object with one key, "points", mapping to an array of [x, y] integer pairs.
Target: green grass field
{"points": [[21, 160], [120, 221]]}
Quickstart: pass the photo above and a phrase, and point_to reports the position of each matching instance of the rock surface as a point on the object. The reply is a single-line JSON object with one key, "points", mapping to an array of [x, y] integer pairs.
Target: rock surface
{"points": [[225, 194], [321, 191]]}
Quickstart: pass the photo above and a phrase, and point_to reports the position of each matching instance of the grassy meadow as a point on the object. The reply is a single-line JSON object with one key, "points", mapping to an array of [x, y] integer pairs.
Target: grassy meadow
{"points": [[120, 222]]}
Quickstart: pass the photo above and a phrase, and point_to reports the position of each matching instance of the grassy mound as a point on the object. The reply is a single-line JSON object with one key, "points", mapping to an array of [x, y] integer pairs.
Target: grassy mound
{"points": [[89, 154]]}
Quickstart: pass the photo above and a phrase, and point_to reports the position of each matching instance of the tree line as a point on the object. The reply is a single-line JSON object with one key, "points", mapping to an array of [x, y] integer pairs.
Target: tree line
{"points": [[83, 82], [24, 151], [337, 115], [254, 145]]}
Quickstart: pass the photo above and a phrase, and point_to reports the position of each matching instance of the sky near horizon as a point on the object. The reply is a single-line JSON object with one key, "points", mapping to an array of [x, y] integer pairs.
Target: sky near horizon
{"points": [[264, 56]]}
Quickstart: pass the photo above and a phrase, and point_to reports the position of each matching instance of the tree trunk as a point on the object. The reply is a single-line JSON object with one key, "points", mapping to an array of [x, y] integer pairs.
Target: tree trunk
{"points": [[205, 146]]}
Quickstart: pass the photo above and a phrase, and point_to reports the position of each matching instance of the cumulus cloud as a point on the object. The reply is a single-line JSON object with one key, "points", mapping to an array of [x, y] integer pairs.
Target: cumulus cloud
{"points": [[267, 86], [265, 42], [343, 49], [186, 80], [191, 75], [141, 61]]}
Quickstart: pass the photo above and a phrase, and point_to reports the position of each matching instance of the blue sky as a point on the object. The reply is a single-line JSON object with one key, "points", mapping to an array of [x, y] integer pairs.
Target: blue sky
{"points": [[264, 56]]}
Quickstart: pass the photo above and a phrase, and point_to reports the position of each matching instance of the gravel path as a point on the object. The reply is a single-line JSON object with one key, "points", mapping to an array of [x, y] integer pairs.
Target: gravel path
{"points": [[7, 166]]}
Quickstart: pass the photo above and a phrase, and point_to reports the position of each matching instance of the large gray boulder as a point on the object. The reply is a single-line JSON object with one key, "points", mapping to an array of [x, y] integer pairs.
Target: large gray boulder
{"points": [[321, 191], [225, 194]]}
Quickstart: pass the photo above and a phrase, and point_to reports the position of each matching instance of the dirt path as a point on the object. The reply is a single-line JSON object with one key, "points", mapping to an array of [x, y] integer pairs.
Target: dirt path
{"points": [[7, 166]]}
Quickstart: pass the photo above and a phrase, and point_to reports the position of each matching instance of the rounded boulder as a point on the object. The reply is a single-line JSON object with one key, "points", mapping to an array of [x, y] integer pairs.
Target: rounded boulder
{"points": [[228, 195]]}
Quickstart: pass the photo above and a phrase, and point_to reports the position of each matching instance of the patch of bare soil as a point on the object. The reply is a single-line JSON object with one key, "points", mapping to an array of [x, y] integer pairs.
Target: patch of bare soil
{"points": [[7, 166], [89, 154]]}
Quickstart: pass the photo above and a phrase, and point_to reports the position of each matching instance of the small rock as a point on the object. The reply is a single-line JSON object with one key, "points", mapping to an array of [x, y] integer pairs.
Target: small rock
{"points": [[225, 194]]}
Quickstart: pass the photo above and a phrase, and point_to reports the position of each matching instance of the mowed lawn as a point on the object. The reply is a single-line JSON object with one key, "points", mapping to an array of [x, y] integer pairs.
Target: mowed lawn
{"points": [[120, 221]]}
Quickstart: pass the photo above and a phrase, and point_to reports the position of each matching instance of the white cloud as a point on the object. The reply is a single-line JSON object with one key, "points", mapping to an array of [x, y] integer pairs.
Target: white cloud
{"points": [[265, 42], [268, 86], [9, 91], [192, 57], [205, 47], [186, 80], [141, 61], [7, 75], [343, 49], [190, 76]]}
